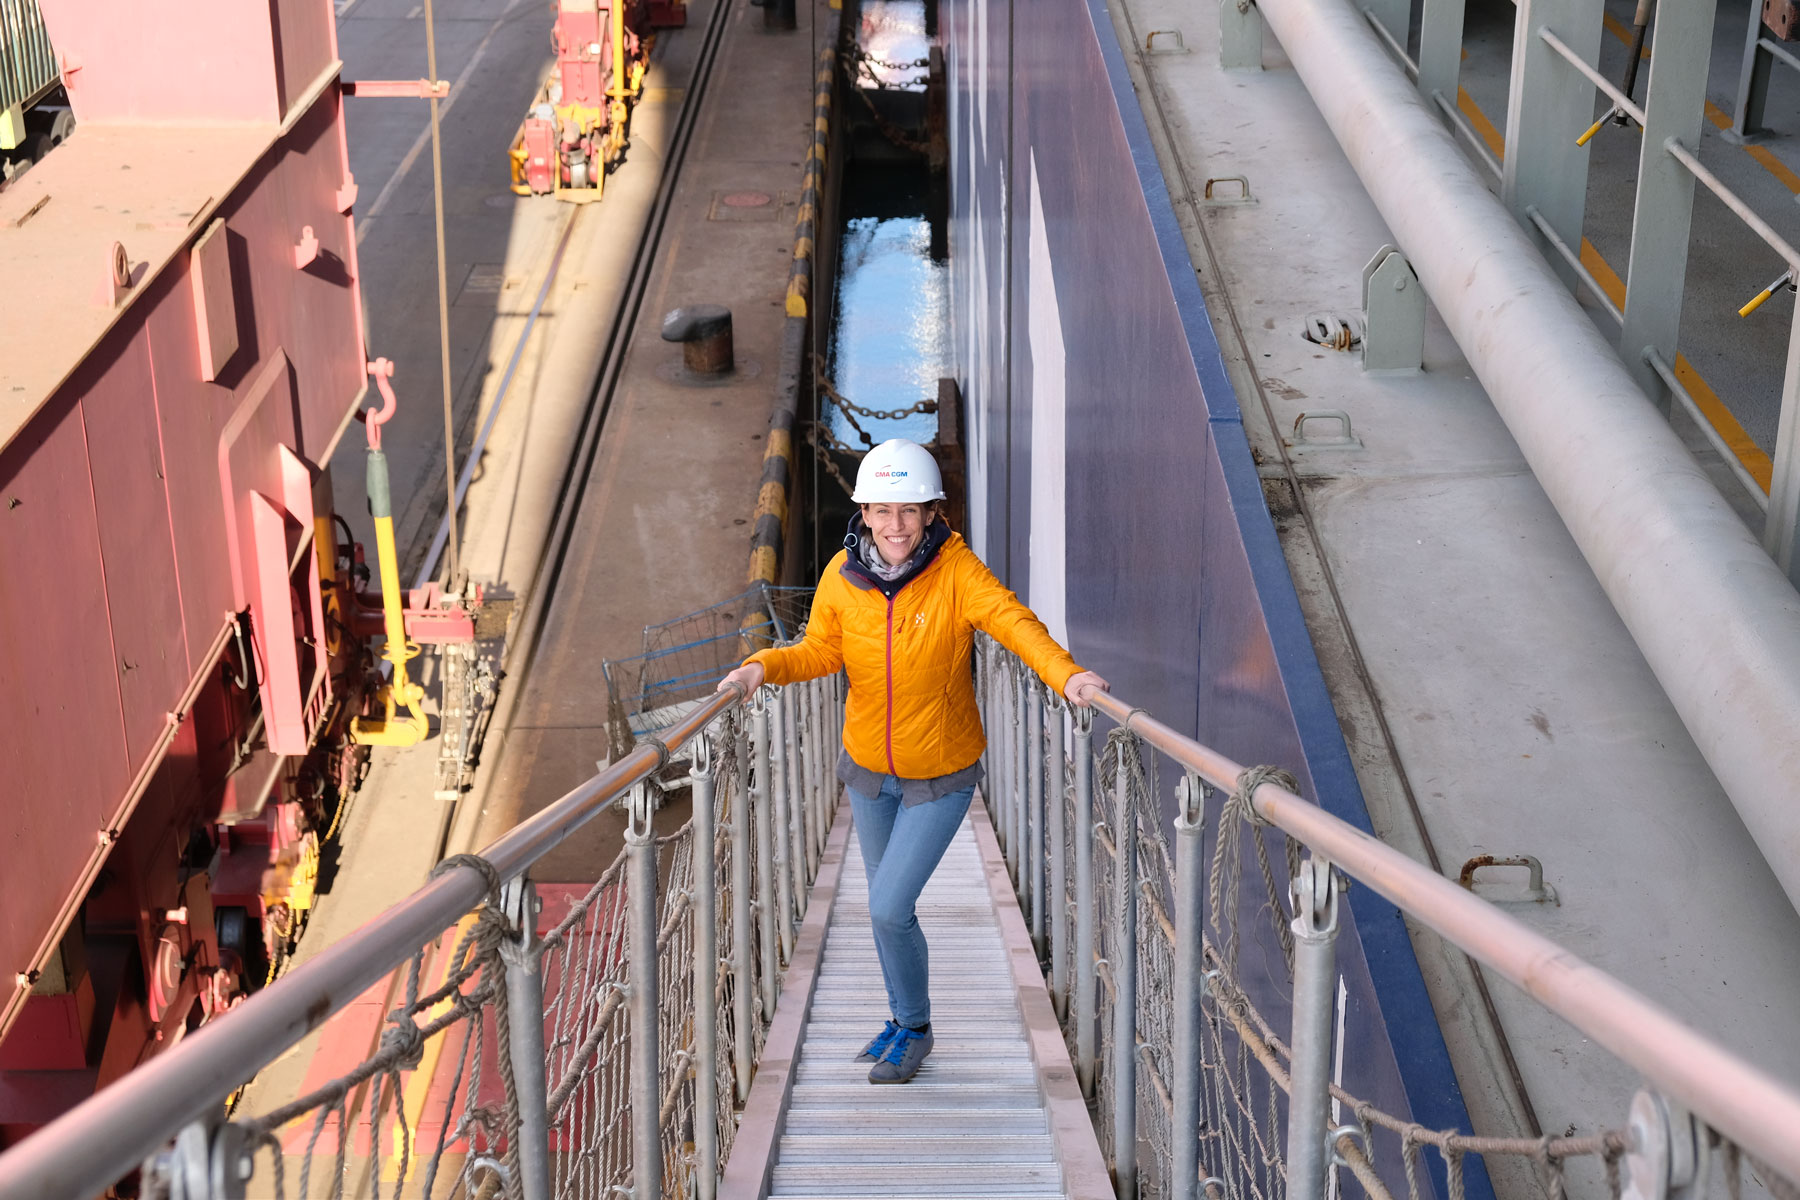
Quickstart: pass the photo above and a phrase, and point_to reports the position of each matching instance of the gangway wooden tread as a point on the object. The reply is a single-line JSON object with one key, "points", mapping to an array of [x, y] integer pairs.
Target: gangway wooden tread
{"points": [[977, 1120]]}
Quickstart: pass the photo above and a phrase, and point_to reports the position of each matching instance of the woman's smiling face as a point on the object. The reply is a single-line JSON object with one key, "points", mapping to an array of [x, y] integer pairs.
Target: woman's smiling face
{"points": [[896, 529]]}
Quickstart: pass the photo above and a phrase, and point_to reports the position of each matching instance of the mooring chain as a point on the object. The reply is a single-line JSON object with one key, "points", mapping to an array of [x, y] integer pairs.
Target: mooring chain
{"points": [[813, 436], [856, 55], [850, 407]]}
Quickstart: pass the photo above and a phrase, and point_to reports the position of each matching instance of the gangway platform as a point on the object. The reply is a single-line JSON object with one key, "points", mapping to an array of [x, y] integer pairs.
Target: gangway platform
{"points": [[994, 1111]]}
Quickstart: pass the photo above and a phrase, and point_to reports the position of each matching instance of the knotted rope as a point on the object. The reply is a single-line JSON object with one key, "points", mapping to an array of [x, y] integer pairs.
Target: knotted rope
{"points": [[1238, 812]]}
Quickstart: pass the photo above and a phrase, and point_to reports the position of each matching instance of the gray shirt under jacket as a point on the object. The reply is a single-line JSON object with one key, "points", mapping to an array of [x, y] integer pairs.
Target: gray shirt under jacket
{"points": [[912, 791]]}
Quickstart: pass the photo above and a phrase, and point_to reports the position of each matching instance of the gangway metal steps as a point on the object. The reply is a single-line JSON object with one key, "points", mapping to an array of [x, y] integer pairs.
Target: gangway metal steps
{"points": [[975, 1123]]}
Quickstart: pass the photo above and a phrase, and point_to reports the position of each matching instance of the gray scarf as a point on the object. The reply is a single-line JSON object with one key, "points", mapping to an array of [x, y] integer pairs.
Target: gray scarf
{"points": [[871, 558]]}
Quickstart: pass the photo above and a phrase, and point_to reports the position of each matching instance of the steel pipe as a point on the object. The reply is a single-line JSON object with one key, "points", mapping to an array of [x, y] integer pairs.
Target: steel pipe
{"points": [[1057, 836], [645, 1036], [1625, 103], [778, 823], [1123, 961], [1190, 887], [1019, 852], [523, 961], [706, 977], [767, 886], [1083, 835], [1315, 927], [1734, 1096], [793, 714], [743, 970], [1726, 454], [1639, 507], [1735, 203], [1034, 792]]}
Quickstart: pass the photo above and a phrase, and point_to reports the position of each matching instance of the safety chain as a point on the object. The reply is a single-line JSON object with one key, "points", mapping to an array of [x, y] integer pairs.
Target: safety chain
{"points": [[889, 130], [816, 438], [852, 410], [857, 58]]}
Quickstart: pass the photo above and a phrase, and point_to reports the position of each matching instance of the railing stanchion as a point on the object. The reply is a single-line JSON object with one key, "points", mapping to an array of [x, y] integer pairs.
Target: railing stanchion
{"points": [[1124, 976], [1189, 985], [1083, 835], [1315, 927], [793, 714], [821, 770], [991, 724], [522, 959], [1018, 852], [646, 1049], [778, 823], [1057, 836], [706, 975], [743, 1045], [1034, 790], [796, 799]]}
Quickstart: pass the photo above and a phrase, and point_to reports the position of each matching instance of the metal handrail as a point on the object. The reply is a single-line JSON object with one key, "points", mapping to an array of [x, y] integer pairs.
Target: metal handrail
{"points": [[1574, 260], [1461, 124], [191, 1080], [1625, 103], [1734, 202], [1708, 430], [1757, 1111]]}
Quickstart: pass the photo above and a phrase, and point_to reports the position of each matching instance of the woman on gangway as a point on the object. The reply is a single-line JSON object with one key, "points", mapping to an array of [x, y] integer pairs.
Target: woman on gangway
{"points": [[898, 608]]}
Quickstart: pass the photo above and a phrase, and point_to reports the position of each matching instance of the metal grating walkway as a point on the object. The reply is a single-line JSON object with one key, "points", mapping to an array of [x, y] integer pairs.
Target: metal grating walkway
{"points": [[973, 1124]]}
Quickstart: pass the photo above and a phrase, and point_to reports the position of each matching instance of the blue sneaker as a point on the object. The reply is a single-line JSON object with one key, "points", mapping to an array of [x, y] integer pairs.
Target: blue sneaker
{"points": [[904, 1056], [875, 1049]]}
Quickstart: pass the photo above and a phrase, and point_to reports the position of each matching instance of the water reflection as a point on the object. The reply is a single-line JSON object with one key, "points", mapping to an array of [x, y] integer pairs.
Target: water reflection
{"points": [[890, 345], [892, 35]]}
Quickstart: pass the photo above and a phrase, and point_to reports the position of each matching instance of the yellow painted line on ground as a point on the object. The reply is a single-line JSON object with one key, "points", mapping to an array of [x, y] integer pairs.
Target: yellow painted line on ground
{"points": [[1761, 468], [418, 1085], [1478, 119], [1774, 166], [1759, 465]]}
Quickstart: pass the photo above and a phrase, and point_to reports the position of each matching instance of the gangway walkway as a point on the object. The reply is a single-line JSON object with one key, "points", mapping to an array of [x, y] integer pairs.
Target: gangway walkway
{"points": [[688, 1026], [976, 1120]]}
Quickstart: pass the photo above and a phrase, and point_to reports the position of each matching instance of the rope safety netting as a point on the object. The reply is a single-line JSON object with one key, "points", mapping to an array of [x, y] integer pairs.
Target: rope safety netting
{"points": [[443, 1105], [1247, 949]]}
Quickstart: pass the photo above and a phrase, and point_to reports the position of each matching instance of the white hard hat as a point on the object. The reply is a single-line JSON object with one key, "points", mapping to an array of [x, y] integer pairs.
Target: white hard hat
{"points": [[898, 472]]}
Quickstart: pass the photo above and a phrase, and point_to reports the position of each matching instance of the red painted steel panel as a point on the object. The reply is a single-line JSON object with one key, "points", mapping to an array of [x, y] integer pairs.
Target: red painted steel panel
{"points": [[191, 415], [305, 42], [62, 745], [125, 457], [200, 60], [318, 307]]}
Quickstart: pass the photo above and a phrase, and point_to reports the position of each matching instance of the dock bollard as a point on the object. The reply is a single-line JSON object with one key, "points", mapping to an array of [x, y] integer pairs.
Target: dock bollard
{"points": [[704, 331]]}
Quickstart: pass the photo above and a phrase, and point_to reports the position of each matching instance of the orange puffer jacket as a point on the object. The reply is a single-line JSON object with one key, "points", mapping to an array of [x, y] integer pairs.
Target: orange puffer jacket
{"points": [[911, 708]]}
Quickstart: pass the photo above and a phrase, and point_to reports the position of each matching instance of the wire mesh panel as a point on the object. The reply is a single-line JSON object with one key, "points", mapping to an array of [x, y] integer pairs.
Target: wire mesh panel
{"points": [[684, 659]]}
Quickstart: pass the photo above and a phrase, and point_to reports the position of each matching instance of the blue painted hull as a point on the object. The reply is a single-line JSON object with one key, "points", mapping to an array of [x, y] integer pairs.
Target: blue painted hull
{"points": [[1112, 486]]}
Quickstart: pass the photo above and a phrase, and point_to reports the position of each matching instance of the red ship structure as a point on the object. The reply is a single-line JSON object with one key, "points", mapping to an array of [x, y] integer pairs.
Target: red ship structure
{"points": [[191, 645]]}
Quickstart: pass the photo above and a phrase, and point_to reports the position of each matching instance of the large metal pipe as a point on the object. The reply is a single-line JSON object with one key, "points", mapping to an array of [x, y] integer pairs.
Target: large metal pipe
{"points": [[1717, 621]]}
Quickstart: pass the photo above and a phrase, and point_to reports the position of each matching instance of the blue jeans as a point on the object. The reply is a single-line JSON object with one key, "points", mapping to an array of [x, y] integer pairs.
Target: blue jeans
{"points": [[901, 848]]}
